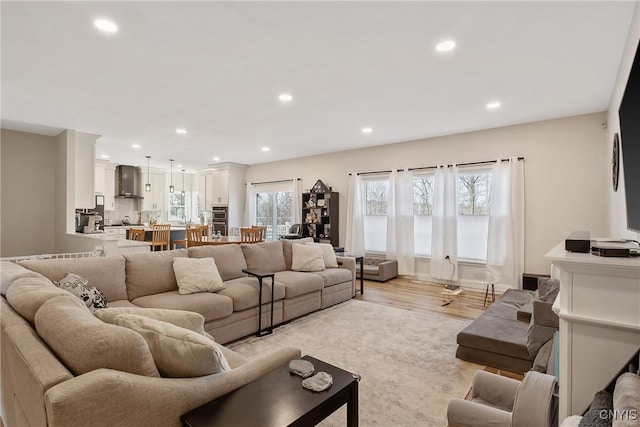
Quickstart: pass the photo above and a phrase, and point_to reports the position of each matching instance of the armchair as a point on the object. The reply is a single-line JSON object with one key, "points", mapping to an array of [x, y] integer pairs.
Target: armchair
{"points": [[378, 268], [500, 401]]}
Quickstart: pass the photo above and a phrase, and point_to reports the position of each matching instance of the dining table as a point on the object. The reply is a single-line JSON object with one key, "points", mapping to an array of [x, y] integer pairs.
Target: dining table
{"points": [[223, 240]]}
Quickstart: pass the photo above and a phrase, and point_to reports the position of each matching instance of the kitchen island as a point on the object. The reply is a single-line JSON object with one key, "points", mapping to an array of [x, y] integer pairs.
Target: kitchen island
{"points": [[113, 245]]}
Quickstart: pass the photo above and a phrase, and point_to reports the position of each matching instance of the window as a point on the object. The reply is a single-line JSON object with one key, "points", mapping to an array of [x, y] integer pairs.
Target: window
{"points": [[422, 209], [177, 207], [274, 209], [375, 217], [473, 214]]}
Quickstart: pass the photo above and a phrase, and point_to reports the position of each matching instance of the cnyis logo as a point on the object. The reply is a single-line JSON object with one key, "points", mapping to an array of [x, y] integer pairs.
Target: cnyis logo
{"points": [[620, 414]]}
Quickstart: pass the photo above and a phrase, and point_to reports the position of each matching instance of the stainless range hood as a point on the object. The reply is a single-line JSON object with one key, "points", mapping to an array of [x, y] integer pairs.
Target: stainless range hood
{"points": [[127, 182]]}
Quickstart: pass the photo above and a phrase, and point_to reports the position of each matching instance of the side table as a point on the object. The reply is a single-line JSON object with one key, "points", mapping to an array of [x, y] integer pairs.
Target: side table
{"points": [[359, 259], [260, 275]]}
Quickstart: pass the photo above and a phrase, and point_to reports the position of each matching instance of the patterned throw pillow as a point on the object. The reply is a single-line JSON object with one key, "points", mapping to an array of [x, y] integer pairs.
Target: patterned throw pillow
{"points": [[80, 287]]}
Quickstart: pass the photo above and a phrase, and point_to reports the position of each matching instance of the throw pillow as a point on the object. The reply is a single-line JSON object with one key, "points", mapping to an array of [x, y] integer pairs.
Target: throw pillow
{"points": [[80, 287], [599, 411], [185, 319], [197, 275], [306, 258], [328, 254], [177, 352], [548, 290]]}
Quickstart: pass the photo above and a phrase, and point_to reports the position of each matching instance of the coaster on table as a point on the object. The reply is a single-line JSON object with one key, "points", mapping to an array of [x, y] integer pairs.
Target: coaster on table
{"points": [[319, 382], [301, 367]]}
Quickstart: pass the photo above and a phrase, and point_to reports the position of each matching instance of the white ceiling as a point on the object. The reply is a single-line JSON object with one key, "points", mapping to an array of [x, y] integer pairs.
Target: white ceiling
{"points": [[216, 69]]}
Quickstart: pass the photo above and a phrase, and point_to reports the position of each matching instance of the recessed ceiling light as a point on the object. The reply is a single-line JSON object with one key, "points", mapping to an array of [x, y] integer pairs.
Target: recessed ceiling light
{"points": [[445, 46], [105, 25], [215, 159], [136, 146], [285, 97], [366, 130], [265, 149], [178, 166], [493, 105], [181, 131], [105, 156]]}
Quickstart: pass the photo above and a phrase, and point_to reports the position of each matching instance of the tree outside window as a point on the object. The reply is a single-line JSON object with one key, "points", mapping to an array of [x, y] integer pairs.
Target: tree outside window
{"points": [[473, 193], [376, 197], [423, 195]]}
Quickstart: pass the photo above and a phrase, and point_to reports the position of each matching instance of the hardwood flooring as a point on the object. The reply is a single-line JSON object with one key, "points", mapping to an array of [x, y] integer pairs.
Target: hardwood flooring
{"points": [[424, 297]]}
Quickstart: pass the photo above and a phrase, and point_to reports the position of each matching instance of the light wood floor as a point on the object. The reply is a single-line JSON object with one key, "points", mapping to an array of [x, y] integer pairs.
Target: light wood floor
{"points": [[423, 297]]}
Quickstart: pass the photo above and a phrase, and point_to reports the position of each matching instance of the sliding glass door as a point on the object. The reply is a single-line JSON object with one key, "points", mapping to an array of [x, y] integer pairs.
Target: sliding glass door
{"points": [[274, 209]]}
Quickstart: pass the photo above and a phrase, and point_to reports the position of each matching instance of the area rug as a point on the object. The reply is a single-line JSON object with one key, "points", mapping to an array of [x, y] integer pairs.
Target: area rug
{"points": [[406, 359]]}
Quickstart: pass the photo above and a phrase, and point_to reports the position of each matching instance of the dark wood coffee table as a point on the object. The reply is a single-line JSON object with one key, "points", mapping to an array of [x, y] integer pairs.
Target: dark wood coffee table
{"points": [[278, 399]]}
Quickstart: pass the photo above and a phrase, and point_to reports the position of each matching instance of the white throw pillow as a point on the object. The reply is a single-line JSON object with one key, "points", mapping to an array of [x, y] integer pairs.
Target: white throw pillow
{"points": [[197, 275], [306, 258], [177, 352], [328, 254]]}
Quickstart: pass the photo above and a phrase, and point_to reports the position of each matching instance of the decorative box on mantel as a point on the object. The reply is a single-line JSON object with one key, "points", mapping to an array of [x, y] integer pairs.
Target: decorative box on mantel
{"points": [[599, 311]]}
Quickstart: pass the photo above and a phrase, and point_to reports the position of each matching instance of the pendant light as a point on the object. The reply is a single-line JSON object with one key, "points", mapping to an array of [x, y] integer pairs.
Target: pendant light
{"points": [[182, 193], [147, 186], [172, 188]]}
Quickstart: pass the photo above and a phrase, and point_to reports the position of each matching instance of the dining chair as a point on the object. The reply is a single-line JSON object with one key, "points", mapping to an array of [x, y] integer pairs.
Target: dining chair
{"points": [[249, 234], [193, 236], [160, 236], [136, 234], [261, 232]]}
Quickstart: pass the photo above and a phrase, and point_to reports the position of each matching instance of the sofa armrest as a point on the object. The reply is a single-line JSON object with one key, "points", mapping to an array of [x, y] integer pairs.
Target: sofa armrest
{"points": [[499, 391], [464, 413], [106, 397], [543, 314], [388, 269], [350, 264]]}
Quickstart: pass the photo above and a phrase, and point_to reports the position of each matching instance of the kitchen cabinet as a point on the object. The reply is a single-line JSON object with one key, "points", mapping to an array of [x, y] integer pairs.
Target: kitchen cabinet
{"points": [[220, 191], [105, 183], [156, 199], [205, 190], [223, 185]]}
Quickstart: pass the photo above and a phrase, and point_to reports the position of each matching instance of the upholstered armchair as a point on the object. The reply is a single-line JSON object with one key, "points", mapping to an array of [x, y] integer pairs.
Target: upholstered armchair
{"points": [[499, 401], [378, 268]]}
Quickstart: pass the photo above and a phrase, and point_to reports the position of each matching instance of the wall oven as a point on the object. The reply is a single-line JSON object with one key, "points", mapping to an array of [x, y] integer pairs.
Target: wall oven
{"points": [[219, 214], [219, 226]]}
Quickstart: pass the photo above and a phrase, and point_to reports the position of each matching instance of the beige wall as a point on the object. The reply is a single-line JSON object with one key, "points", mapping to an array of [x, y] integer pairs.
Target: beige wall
{"points": [[28, 193], [616, 215], [565, 181]]}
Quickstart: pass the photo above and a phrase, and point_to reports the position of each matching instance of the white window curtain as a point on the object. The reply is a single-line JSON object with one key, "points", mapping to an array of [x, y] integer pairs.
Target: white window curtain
{"points": [[505, 243], [250, 205], [354, 241], [297, 201], [445, 216], [400, 222]]}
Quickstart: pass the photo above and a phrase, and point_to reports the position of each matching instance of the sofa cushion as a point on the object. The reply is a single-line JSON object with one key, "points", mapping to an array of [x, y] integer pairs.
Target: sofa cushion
{"points": [[328, 254], [177, 352], [105, 273], [264, 256], [81, 288], [244, 292], [286, 249], [334, 276], [496, 335], [211, 306], [229, 259], [196, 275], [11, 271], [298, 283], [150, 273], [185, 319], [306, 258], [85, 343], [26, 295]]}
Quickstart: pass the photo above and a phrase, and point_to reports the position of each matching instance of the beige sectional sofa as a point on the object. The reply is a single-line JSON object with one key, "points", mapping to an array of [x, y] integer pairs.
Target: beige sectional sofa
{"points": [[83, 372]]}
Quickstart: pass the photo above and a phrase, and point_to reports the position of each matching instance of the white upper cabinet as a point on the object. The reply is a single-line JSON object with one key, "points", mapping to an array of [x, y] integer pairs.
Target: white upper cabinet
{"points": [[156, 199], [220, 190], [105, 182]]}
